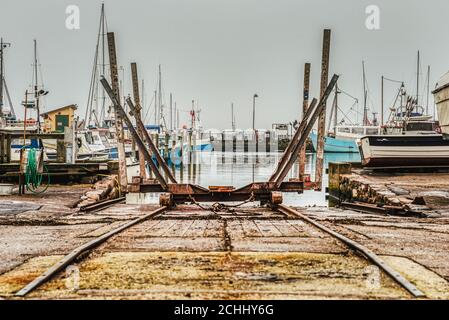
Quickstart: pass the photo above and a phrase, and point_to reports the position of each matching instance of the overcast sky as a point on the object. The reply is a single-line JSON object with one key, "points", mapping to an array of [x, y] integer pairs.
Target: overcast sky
{"points": [[223, 51]]}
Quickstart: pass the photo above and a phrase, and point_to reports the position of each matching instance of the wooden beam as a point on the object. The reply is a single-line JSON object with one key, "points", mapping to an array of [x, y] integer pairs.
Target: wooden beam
{"points": [[138, 115], [305, 105], [322, 119], [122, 174]]}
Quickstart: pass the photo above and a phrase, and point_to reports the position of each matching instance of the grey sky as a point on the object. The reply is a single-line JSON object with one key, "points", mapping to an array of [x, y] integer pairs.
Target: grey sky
{"points": [[225, 51]]}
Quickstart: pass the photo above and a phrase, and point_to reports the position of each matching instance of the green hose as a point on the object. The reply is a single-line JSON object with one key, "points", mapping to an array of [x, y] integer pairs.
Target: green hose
{"points": [[33, 179]]}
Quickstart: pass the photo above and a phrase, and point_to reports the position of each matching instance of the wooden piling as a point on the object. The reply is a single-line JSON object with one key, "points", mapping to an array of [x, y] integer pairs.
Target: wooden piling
{"points": [[166, 146], [135, 81], [322, 118], [336, 169], [305, 105], [122, 174]]}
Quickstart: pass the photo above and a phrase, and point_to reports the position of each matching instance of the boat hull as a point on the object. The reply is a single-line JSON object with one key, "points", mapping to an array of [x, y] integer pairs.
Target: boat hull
{"points": [[335, 145], [404, 151]]}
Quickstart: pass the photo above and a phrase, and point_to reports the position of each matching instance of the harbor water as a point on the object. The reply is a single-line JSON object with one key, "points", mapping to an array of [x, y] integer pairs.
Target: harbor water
{"points": [[239, 169]]}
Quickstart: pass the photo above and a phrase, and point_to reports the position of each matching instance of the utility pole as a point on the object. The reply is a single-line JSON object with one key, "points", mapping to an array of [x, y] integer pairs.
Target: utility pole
{"points": [[322, 118], [122, 174], [254, 111], [305, 106], [135, 80]]}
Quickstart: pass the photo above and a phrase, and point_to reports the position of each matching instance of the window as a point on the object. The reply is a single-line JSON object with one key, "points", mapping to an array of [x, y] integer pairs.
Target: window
{"points": [[371, 131]]}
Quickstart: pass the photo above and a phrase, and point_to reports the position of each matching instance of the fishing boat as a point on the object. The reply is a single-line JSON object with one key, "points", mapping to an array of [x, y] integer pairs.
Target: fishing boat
{"points": [[345, 138], [411, 140], [392, 151]]}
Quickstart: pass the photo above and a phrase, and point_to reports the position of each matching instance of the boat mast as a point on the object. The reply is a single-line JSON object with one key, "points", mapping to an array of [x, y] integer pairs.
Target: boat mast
{"points": [[159, 107], [336, 108], [417, 81], [382, 103], [36, 87], [155, 107], [428, 90], [3, 45], [1, 77], [232, 117], [365, 110], [103, 61], [142, 98]]}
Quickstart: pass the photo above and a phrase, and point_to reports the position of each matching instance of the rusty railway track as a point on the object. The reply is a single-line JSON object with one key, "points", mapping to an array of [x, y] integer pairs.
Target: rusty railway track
{"points": [[101, 205], [359, 248], [288, 211], [81, 250]]}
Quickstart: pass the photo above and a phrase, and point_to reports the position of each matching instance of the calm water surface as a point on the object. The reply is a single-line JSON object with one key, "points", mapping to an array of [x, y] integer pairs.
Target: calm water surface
{"points": [[239, 169]]}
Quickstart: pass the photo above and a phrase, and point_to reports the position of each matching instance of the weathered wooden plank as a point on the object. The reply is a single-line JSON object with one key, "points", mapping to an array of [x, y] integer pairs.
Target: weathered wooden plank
{"points": [[251, 229], [268, 229], [197, 229]]}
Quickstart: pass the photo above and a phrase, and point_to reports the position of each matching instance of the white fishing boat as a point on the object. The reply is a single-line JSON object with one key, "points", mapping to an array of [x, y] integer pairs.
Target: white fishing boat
{"points": [[406, 143]]}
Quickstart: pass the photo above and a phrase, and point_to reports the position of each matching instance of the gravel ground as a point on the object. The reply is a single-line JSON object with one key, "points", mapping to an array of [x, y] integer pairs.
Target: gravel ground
{"points": [[189, 253]]}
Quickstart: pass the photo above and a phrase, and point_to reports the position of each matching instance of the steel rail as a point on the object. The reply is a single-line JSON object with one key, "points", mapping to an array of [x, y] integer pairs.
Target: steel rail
{"points": [[72, 256], [370, 255], [101, 205]]}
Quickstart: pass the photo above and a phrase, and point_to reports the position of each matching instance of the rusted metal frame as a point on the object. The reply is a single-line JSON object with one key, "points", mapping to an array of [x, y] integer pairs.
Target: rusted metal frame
{"points": [[123, 180], [295, 140], [305, 133], [181, 193], [305, 106], [322, 119], [133, 131], [72, 256], [370, 255], [138, 114], [148, 139]]}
